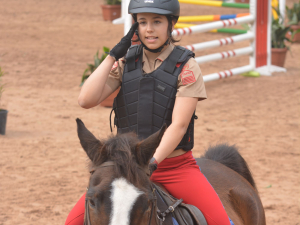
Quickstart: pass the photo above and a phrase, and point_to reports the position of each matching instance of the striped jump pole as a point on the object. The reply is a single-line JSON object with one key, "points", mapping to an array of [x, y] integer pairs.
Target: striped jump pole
{"points": [[221, 30], [228, 73], [224, 55], [216, 3], [213, 25], [220, 42], [206, 18]]}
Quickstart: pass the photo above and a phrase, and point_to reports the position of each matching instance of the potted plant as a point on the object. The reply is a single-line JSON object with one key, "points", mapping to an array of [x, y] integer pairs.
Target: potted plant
{"points": [[108, 102], [293, 15], [3, 112], [111, 10], [279, 38]]}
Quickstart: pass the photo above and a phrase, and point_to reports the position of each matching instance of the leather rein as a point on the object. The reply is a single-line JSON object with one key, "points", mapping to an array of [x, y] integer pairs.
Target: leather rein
{"points": [[152, 198]]}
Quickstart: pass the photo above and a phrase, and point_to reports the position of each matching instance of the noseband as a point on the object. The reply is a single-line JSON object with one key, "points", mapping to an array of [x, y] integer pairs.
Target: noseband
{"points": [[152, 198]]}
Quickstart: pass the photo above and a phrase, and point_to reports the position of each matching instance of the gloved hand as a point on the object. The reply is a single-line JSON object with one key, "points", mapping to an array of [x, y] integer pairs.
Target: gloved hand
{"points": [[121, 48], [152, 165]]}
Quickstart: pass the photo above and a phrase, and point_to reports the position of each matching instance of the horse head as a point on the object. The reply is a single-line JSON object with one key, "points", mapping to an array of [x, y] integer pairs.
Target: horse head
{"points": [[119, 190]]}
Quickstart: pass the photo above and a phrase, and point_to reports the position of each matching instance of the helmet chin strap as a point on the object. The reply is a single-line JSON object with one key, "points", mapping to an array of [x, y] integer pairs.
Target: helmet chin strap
{"points": [[152, 50]]}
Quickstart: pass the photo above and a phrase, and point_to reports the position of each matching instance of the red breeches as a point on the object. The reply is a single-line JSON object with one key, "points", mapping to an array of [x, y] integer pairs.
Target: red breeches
{"points": [[182, 177]]}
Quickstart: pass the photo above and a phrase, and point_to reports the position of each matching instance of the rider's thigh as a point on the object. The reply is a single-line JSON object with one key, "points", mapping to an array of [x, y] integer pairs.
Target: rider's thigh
{"points": [[76, 216]]}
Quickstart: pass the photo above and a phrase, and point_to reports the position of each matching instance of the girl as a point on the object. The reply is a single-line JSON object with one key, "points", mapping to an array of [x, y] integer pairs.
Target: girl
{"points": [[160, 83]]}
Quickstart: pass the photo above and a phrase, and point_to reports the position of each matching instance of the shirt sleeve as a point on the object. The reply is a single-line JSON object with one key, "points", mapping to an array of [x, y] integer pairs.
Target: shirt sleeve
{"points": [[190, 81], [114, 79]]}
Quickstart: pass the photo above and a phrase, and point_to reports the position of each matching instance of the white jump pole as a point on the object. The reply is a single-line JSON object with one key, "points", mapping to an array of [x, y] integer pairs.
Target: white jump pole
{"points": [[227, 73], [282, 8], [125, 17], [224, 55], [220, 42]]}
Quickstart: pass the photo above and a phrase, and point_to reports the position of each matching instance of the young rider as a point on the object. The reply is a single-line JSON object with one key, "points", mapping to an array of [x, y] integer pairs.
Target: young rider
{"points": [[160, 83]]}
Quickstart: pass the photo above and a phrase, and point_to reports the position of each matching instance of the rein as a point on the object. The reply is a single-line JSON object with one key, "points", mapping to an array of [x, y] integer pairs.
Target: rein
{"points": [[153, 197]]}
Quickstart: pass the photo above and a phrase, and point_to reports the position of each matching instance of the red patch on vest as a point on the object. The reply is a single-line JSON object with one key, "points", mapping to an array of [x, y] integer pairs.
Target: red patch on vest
{"points": [[178, 64], [115, 65], [187, 77]]}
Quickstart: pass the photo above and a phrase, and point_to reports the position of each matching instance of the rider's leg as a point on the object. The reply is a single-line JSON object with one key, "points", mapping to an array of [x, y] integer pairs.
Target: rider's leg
{"points": [[183, 179], [76, 216]]}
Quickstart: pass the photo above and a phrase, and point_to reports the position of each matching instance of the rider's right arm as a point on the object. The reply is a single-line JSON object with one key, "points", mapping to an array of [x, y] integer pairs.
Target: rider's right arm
{"points": [[95, 89]]}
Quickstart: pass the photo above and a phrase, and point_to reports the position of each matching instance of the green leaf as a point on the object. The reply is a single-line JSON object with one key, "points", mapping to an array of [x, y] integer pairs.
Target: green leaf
{"points": [[106, 50], [92, 67], [97, 62], [292, 12]]}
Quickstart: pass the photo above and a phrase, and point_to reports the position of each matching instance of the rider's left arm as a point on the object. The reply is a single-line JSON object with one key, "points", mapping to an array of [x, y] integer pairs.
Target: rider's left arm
{"points": [[182, 113]]}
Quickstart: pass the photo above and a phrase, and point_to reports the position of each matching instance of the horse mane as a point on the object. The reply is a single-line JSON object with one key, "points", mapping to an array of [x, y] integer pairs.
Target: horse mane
{"points": [[121, 149], [230, 157]]}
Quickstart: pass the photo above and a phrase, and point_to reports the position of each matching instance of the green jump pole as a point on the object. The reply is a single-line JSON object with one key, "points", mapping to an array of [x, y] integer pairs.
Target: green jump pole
{"points": [[231, 30], [235, 5]]}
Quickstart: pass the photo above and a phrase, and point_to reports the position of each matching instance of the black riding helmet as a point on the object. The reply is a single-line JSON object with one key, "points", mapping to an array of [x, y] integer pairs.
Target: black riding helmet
{"points": [[163, 7], [169, 8]]}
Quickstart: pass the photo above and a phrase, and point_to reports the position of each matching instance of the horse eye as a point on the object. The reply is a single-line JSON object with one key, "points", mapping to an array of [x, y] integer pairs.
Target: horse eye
{"points": [[92, 203], [92, 171]]}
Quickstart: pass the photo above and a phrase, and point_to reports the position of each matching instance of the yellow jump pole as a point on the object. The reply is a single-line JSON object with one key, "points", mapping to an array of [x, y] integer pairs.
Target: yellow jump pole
{"points": [[204, 18], [197, 2], [216, 3], [196, 18]]}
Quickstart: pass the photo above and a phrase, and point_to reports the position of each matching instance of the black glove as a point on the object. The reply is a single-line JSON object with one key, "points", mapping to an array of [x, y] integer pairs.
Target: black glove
{"points": [[152, 165], [121, 48]]}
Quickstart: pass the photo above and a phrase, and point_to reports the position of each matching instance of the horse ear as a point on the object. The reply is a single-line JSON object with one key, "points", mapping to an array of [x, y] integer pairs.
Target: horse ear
{"points": [[146, 148], [88, 141]]}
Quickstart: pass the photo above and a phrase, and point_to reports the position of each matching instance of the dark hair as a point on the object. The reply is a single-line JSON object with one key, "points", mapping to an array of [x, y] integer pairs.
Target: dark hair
{"points": [[170, 20]]}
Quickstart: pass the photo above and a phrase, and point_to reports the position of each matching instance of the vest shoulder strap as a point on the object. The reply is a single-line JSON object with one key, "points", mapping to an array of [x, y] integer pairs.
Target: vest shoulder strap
{"points": [[173, 60], [187, 53], [178, 55], [133, 52]]}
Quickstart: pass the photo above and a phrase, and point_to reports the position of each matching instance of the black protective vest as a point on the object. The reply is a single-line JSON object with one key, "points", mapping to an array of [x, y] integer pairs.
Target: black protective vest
{"points": [[146, 101]]}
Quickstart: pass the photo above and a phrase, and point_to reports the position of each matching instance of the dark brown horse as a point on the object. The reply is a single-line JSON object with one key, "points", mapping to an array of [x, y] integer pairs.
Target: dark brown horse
{"points": [[119, 189]]}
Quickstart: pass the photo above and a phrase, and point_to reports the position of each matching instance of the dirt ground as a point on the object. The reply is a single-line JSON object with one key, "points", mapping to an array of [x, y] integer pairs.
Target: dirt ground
{"points": [[44, 48]]}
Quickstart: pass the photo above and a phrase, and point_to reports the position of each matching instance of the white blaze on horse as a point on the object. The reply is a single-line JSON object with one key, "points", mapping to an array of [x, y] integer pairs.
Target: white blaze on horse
{"points": [[123, 197]]}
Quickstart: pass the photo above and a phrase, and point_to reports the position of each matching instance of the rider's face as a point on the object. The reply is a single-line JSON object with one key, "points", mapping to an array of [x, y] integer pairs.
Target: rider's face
{"points": [[153, 29]]}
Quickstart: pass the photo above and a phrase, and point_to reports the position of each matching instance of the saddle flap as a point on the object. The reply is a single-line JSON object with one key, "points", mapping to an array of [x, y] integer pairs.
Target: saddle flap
{"points": [[184, 214], [190, 210]]}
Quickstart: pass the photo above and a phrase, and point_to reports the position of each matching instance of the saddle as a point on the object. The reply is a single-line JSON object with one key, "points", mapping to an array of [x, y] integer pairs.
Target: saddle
{"points": [[172, 211]]}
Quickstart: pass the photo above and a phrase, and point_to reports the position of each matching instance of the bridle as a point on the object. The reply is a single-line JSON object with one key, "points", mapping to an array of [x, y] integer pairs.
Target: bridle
{"points": [[153, 199]]}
